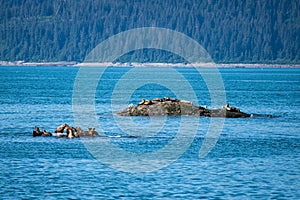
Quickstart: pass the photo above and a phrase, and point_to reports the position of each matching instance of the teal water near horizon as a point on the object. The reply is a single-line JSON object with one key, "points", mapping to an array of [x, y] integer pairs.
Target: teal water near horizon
{"points": [[254, 158]]}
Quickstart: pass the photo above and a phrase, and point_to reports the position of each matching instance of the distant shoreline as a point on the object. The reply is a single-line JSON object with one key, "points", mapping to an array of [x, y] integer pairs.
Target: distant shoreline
{"points": [[105, 64]]}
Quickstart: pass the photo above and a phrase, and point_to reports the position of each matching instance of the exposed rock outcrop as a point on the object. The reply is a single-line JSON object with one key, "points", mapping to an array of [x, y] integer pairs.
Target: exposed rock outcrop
{"points": [[176, 107]]}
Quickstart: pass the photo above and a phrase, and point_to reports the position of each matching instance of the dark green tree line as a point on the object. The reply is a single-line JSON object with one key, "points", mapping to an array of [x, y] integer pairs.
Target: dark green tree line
{"points": [[230, 30]]}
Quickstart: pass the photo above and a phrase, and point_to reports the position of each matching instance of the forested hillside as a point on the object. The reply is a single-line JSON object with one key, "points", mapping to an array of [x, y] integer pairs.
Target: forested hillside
{"points": [[230, 30]]}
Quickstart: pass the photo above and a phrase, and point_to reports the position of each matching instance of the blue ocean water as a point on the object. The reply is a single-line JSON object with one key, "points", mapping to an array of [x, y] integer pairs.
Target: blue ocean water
{"points": [[254, 157]]}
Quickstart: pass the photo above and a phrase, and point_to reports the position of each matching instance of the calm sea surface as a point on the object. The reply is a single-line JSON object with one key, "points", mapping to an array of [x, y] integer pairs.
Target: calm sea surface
{"points": [[257, 157]]}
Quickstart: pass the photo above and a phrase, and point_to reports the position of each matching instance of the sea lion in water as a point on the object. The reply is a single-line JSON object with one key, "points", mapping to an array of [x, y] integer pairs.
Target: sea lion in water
{"points": [[75, 132], [71, 132], [61, 128], [45, 133], [90, 132], [36, 132], [79, 130]]}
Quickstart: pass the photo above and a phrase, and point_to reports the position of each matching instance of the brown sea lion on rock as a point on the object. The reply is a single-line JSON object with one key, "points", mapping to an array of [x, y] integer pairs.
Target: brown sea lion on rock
{"points": [[148, 102], [36, 132], [61, 128], [232, 109], [174, 100], [157, 100], [166, 98]]}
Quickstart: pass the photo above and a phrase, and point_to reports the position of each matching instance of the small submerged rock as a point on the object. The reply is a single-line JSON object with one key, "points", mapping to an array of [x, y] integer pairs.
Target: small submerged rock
{"points": [[175, 107]]}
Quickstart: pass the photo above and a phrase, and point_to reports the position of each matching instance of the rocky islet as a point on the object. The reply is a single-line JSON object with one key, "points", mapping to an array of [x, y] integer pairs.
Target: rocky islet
{"points": [[175, 107]]}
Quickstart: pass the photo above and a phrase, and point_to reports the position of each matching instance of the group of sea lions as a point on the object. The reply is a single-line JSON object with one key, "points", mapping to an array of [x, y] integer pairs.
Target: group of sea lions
{"points": [[37, 132], [70, 132], [165, 99]]}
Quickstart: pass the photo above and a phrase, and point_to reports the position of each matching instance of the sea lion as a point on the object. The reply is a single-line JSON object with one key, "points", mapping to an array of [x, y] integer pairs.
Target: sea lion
{"points": [[157, 100], [174, 100], [36, 132], [232, 109], [142, 102], [91, 132], [68, 131], [227, 107], [75, 132], [71, 132], [61, 128], [45, 133], [166, 98], [148, 102], [79, 130]]}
